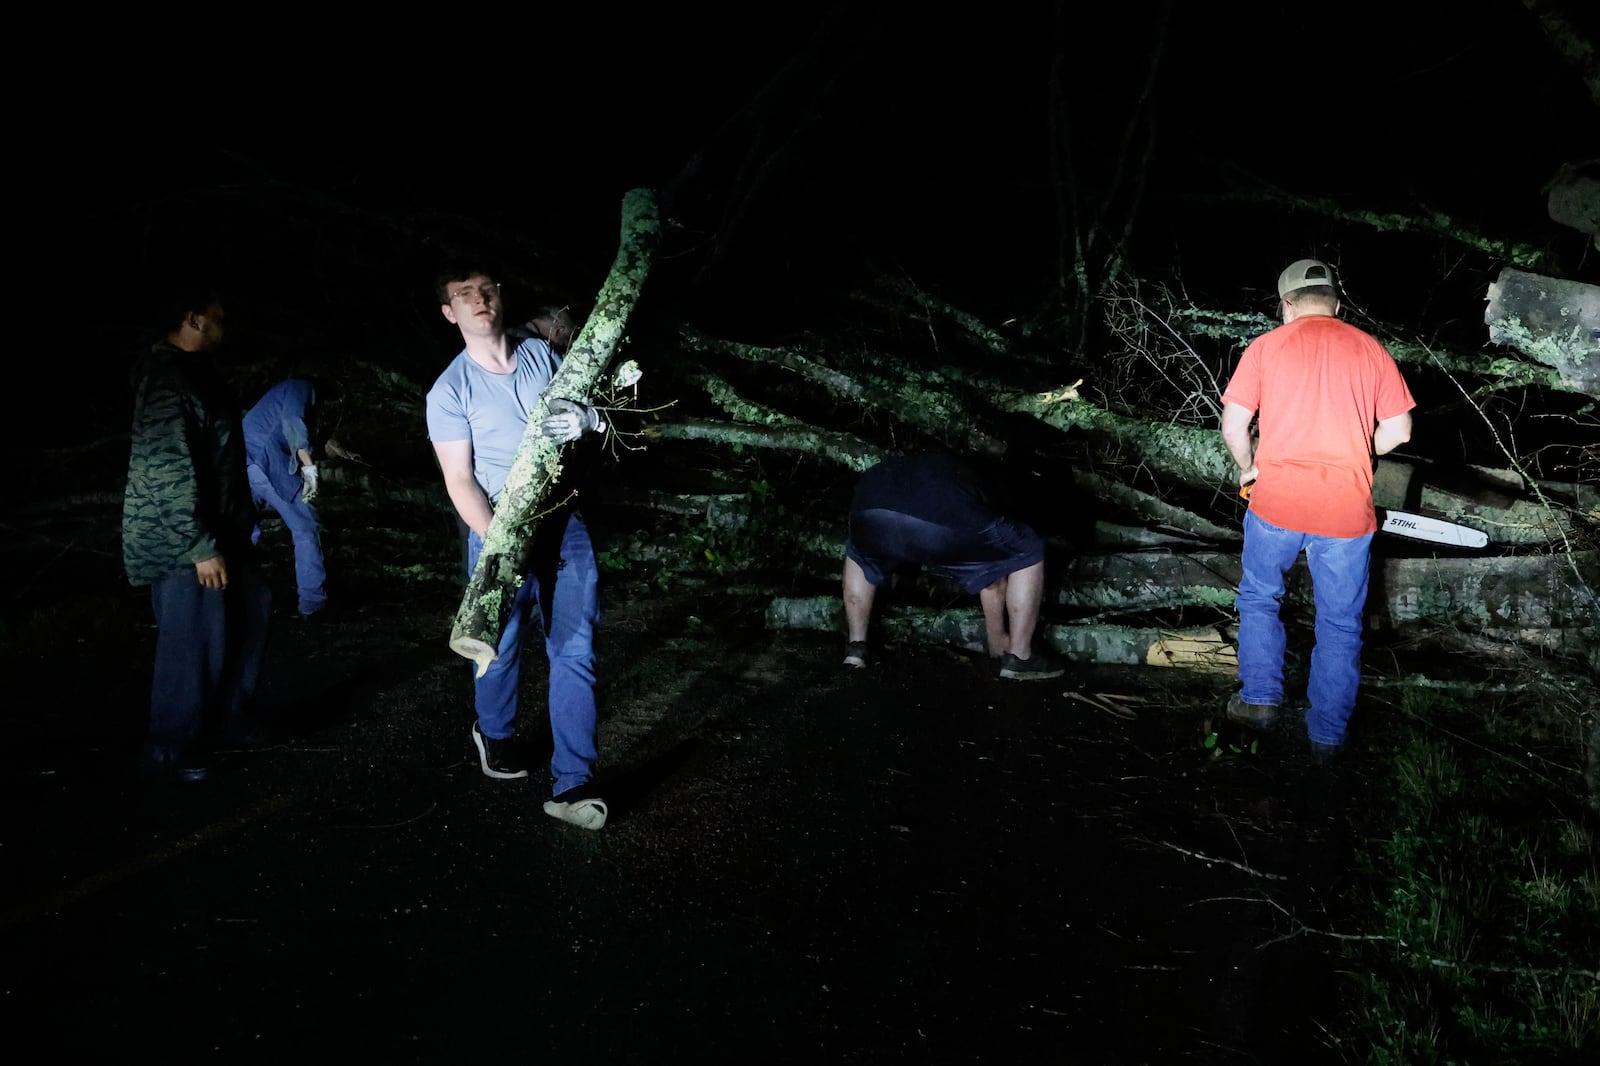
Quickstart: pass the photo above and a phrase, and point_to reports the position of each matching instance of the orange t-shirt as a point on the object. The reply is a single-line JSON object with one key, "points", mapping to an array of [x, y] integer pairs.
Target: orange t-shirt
{"points": [[1321, 386]]}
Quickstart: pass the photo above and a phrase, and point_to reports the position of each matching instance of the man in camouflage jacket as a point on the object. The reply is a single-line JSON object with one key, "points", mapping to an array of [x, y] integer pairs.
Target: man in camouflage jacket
{"points": [[187, 520]]}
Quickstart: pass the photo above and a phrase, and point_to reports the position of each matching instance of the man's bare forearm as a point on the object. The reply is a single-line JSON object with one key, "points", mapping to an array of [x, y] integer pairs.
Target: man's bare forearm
{"points": [[1390, 434], [472, 505]]}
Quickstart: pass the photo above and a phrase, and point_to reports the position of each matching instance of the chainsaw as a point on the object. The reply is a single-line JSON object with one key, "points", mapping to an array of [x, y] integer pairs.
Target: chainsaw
{"points": [[1418, 527]]}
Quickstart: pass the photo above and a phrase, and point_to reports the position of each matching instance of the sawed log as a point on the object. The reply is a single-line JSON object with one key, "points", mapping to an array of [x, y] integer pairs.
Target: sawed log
{"points": [[490, 591], [1551, 320]]}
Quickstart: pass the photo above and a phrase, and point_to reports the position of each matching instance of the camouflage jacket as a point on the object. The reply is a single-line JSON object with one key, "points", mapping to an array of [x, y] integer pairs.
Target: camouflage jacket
{"points": [[188, 498]]}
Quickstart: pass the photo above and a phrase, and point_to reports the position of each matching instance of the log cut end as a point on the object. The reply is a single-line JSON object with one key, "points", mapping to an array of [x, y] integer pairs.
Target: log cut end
{"points": [[480, 652]]}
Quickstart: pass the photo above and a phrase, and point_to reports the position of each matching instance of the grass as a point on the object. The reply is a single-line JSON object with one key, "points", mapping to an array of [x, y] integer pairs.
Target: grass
{"points": [[1480, 879]]}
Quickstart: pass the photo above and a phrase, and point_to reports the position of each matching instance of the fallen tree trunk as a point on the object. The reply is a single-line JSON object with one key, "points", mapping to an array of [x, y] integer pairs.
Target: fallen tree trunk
{"points": [[909, 397], [852, 452], [1574, 198], [1155, 510], [492, 587], [1551, 320], [1546, 602], [1526, 592], [1194, 648], [1187, 453], [1490, 504], [1192, 455], [1141, 581]]}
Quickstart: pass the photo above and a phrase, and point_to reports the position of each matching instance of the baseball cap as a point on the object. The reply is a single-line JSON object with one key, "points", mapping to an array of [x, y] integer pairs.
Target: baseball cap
{"points": [[1303, 273]]}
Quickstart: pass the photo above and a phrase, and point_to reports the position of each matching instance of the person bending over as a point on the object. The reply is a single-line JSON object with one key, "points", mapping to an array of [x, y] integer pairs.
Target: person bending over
{"points": [[931, 511]]}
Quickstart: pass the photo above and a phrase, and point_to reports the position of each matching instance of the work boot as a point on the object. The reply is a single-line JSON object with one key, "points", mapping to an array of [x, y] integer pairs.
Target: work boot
{"points": [[1254, 715], [1325, 754]]}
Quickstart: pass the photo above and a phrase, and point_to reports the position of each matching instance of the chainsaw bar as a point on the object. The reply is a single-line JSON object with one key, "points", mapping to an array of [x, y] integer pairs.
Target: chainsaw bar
{"points": [[1420, 527]]}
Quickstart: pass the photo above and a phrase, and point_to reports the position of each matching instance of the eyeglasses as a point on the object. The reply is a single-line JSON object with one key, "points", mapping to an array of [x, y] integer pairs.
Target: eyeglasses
{"points": [[470, 293]]}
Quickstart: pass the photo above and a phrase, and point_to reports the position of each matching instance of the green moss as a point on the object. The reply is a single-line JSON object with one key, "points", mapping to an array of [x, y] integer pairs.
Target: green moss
{"points": [[723, 395], [415, 572], [1548, 347]]}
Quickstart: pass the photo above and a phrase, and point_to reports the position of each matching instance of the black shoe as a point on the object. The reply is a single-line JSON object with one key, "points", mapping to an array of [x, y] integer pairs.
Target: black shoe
{"points": [[1325, 754], [498, 758], [163, 765], [1041, 666], [856, 654]]}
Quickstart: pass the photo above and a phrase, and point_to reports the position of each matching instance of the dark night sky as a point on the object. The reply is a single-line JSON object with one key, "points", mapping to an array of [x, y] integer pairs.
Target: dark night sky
{"points": [[910, 139]]}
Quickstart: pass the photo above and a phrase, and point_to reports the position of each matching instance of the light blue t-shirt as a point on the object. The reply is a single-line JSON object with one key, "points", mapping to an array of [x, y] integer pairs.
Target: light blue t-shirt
{"points": [[467, 402]]}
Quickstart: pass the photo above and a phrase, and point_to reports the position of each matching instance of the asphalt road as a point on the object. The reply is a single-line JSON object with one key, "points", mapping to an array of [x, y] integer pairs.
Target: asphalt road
{"points": [[914, 863]]}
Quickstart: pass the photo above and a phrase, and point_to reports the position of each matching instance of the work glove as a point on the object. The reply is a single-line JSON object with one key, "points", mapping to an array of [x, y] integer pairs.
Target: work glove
{"points": [[568, 420], [308, 477]]}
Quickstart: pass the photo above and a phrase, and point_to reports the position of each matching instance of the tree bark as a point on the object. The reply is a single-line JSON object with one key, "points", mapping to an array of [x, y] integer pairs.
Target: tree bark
{"points": [[1152, 509], [1191, 454], [852, 452], [1197, 648], [910, 398], [1551, 320], [490, 591], [1574, 198], [1545, 601]]}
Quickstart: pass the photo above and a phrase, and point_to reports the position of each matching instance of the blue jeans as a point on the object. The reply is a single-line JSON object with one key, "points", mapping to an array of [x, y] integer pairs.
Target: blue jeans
{"points": [[1339, 586], [210, 644], [564, 586], [306, 532]]}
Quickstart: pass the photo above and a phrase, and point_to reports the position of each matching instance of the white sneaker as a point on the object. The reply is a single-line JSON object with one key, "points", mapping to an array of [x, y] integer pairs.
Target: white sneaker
{"points": [[583, 813]]}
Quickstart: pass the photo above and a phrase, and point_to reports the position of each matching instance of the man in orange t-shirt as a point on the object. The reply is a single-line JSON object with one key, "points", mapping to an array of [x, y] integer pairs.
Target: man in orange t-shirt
{"points": [[1330, 399]]}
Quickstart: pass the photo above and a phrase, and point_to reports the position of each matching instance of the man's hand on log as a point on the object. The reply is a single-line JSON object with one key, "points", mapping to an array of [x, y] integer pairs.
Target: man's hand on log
{"points": [[568, 420]]}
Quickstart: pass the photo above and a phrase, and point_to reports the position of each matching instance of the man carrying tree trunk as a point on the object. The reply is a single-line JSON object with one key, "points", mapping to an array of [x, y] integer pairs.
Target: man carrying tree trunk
{"points": [[930, 510], [477, 413], [1331, 399]]}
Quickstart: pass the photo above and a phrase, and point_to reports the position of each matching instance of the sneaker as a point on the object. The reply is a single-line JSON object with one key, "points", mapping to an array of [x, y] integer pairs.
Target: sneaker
{"points": [[577, 806], [1254, 715], [1041, 666], [856, 655], [498, 758]]}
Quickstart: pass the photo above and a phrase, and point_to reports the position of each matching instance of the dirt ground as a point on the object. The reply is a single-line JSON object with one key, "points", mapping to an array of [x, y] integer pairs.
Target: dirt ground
{"points": [[918, 862]]}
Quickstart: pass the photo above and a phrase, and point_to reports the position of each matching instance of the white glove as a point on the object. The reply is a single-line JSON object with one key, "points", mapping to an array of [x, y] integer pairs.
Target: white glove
{"points": [[568, 420], [308, 475]]}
